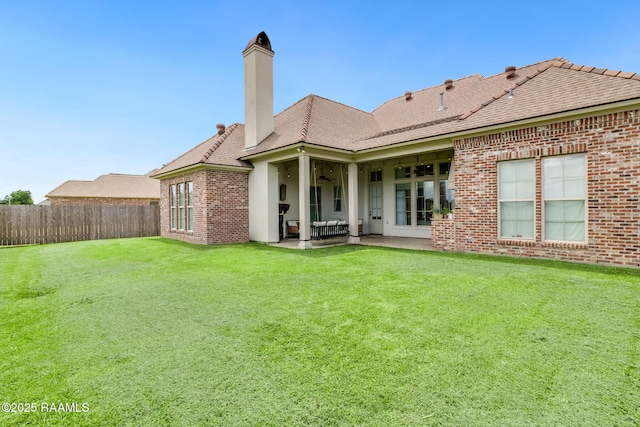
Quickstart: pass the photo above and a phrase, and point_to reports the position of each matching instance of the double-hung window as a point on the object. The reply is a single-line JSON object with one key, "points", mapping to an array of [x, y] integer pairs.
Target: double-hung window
{"points": [[190, 206], [337, 198], [181, 206], [564, 194], [516, 194], [173, 201]]}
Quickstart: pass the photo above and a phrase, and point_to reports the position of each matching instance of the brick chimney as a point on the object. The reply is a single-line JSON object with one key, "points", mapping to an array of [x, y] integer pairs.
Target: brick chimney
{"points": [[258, 90]]}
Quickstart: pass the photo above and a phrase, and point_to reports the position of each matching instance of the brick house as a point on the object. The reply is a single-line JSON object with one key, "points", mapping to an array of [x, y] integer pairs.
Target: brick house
{"points": [[541, 160], [110, 189]]}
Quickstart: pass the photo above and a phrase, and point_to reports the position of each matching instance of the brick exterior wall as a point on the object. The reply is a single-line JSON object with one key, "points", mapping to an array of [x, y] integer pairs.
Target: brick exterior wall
{"points": [[84, 201], [220, 207], [612, 145]]}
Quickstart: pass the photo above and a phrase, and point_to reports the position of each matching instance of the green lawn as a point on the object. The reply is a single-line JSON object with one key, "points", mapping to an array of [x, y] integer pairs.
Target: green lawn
{"points": [[145, 332]]}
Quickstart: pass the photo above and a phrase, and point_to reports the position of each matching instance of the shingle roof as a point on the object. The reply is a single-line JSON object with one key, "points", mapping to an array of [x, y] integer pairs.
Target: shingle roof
{"points": [[539, 89], [318, 121], [221, 149], [116, 186]]}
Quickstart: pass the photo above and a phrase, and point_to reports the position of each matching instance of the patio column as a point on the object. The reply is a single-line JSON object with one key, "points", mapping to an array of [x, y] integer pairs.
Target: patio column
{"points": [[354, 236], [304, 198]]}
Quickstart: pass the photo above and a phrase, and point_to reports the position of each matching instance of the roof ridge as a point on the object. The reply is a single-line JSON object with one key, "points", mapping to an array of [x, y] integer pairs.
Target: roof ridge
{"points": [[306, 119], [413, 127], [601, 71], [342, 103], [218, 142], [561, 62], [479, 76]]}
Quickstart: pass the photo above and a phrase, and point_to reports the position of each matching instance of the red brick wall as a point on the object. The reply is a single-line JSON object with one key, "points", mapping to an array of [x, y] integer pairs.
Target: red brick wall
{"points": [[612, 144], [78, 201], [220, 205]]}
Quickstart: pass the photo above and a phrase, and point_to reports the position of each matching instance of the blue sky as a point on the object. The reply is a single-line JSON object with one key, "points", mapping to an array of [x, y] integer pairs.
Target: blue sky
{"points": [[93, 87]]}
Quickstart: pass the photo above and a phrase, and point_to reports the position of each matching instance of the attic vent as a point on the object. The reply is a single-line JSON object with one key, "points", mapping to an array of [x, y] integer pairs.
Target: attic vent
{"points": [[408, 96], [510, 71], [220, 128], [448, 84]]}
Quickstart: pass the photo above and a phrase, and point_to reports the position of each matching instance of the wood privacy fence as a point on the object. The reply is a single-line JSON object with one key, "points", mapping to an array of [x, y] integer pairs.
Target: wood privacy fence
{"points": [[29, 224]]}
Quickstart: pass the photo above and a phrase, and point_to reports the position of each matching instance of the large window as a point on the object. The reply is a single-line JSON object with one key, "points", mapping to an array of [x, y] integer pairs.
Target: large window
{"points": [[190, 206], [173, 201], [516, 193], [403, 204], [181, 206], [564, 193], [424, 202], [420, 190]]}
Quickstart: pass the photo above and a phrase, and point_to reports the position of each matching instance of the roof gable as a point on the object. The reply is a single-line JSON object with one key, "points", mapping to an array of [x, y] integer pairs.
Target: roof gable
{"points": [[222, 149]]}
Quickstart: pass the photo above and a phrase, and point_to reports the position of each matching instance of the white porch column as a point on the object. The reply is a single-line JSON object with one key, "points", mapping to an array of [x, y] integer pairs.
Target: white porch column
{"points": [[354, 237], [263, 203], [304, 200]]}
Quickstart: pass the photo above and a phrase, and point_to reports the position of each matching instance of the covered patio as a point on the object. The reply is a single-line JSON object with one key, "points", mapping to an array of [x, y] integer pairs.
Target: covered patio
{"points": [[368, 240]]}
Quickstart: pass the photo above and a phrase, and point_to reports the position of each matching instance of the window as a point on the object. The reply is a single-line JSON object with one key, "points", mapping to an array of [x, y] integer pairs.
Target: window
{"points": [[173, 202], [564, 194], [424, 199], [403, 204], [181, 206], [403, 172], [516, 193], [190, 206], [447, 196], [316, 203], [337, 198], [424, 170], [376, 176]]}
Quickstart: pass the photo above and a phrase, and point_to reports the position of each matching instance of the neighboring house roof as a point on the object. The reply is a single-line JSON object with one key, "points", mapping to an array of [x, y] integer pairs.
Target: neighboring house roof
{"points": [[473, 102], [113, 186]]}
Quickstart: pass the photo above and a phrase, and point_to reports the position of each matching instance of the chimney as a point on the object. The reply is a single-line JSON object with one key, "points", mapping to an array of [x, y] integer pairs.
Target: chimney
{"points": [[258, 90]]}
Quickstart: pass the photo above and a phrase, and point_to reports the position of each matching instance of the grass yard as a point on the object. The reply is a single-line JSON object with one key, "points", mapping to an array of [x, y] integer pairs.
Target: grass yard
{"points": [[153, 332]]}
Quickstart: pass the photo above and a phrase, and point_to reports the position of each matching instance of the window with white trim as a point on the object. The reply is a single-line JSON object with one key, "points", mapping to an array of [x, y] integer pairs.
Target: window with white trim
{"points": [[403, 204], [337, 198], [564, 193], [516, 196], [189, 206], [173, 202], [181, 206]]}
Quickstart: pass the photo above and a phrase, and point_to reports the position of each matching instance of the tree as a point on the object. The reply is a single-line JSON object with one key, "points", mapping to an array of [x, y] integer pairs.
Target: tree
{"points": [[18, 197]]}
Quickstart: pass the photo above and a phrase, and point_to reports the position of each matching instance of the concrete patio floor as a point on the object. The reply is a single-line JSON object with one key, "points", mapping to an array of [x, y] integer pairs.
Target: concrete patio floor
{"points": [[369, 240]]}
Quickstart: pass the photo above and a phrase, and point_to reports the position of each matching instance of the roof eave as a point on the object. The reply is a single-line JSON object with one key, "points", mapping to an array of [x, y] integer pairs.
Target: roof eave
{"points": [[297, 146]]}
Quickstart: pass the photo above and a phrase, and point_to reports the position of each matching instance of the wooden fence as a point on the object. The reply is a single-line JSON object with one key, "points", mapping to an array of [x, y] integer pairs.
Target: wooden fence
{"points": [[28, 225]]}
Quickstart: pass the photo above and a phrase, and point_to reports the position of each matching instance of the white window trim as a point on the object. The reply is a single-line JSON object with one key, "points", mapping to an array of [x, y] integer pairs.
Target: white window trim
{"points": [[534, 200], [584, 199]]}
